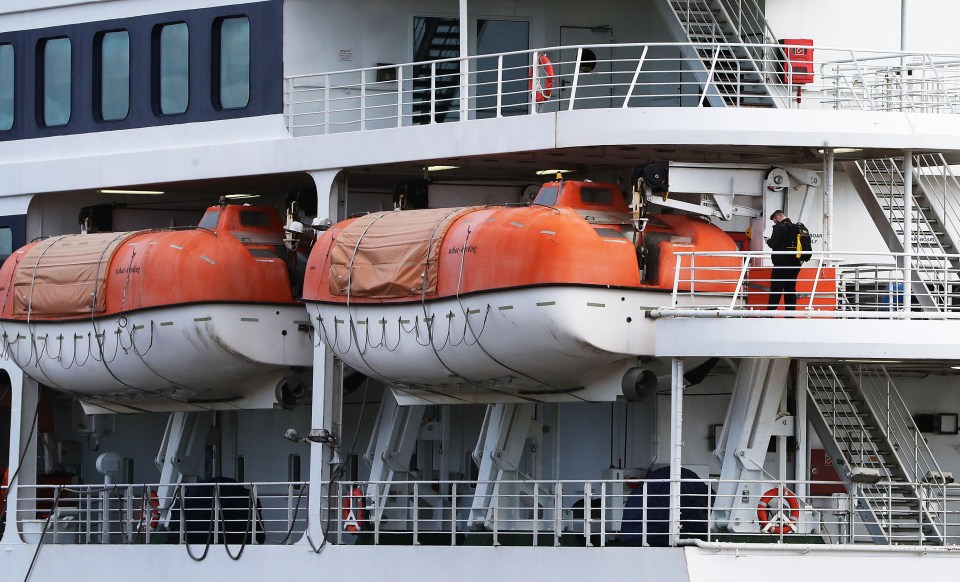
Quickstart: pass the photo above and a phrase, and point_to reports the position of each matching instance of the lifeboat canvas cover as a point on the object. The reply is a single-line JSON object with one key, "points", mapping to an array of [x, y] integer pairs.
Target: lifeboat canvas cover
{"points": [[390, 255], [61, 276]]}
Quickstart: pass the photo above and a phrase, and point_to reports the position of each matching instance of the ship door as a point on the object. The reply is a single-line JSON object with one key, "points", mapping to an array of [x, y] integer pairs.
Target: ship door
{"points": [[594, 88]]}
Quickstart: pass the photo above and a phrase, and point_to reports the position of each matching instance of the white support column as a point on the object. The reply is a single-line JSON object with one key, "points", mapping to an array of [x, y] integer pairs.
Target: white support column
{"points": [[464, 63], [24, 399], [676, 446], [331, 194], [802, 456], [325, 420], [907, 228], [828, 163]]}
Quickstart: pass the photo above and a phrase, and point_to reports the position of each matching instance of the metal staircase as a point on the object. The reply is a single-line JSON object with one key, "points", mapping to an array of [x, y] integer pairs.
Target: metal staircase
{"points": [[733, 74], [934, 219], [867, 430]]}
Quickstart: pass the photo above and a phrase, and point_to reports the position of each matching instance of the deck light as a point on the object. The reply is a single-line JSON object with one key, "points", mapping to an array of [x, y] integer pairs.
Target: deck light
{"points": [[441, 168], [552, 172], [148, 192]]}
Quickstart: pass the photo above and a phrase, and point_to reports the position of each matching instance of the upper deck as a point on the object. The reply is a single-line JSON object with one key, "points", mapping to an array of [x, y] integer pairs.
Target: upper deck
{"points": [[491, 113]]}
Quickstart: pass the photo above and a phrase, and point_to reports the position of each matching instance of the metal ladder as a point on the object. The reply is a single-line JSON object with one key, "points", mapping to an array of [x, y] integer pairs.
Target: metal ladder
{"points": [[934, 219], [867, 430], [734, 74]]}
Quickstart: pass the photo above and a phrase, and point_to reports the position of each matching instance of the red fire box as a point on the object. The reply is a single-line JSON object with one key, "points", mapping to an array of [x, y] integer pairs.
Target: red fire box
{"points": [[798, 61], [822, 469]]}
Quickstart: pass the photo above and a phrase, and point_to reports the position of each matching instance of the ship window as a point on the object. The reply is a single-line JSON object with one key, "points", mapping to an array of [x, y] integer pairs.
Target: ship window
{"points": [[210, 219], [608, 232], [173, 70], [597, 196], [6, 242], [56, 81], [264, 253], [233, 61], [113, 75], [547, 196], [293, 468], [254, 219], [6, 86]]}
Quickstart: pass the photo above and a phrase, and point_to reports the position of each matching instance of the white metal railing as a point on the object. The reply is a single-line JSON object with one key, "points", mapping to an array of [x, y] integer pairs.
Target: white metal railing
{"points": [[840, 285], [542, 513], [203, 514], [621, 76]]}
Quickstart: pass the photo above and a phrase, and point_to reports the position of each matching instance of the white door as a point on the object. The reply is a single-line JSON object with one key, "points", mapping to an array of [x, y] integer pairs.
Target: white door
{"points": [[591, 72]]}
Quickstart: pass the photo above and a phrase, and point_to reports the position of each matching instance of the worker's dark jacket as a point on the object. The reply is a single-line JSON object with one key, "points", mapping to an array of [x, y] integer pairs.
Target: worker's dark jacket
{"points": [[784, 238]]}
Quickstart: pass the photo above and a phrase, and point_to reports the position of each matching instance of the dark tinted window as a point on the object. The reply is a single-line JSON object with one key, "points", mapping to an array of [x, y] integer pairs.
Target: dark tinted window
{"points": [[6, 86], [547, 196], [234, 60], [174, 68], [57, 81], [114, 75], [6, 242], [210, 219], [595, 196], [254, 219]]}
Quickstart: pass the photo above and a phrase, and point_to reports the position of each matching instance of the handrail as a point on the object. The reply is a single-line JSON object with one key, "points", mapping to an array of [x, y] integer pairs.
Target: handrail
{"points": [[835, 284], [593, 512], [627, 75]]}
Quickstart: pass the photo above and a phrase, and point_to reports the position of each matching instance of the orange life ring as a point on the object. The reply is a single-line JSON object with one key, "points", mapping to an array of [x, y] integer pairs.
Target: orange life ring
{"points": [[154, 520], [543, 91], [353, 513], [778, 521]]}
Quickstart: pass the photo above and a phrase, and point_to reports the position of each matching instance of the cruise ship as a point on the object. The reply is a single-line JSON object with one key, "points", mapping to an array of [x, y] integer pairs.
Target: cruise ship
{"points": [[292, 288]]}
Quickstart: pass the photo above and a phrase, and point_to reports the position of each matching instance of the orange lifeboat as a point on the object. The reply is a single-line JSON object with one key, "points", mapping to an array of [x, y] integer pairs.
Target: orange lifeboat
{"points": [[160, 319], [542, 302]]}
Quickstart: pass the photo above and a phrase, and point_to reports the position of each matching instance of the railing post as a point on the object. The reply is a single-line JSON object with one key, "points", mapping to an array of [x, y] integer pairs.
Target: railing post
{"points": [[500, 86], [363, 99], [433, 91], [576, 79], [453, 513], [399, 96], [326, 104], [907, 229]]}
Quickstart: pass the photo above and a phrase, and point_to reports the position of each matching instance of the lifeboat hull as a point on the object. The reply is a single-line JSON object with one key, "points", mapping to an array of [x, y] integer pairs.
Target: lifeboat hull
{"points": [[548, 344], [161, 319], [173, 358], [546, 302]]}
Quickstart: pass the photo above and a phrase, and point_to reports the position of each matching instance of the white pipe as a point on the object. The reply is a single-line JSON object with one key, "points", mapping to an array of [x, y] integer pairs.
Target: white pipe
{"points": [[721, 312], [828, 201], [676, 446], [907, 228], [464, 63], [903, 25]]}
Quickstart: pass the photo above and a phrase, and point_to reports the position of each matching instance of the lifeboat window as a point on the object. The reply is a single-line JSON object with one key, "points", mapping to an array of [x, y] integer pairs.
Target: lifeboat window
{"points": [[609, 232], [596, 196], [254, 219], [264, 253], [210, 219], [547, 196]]}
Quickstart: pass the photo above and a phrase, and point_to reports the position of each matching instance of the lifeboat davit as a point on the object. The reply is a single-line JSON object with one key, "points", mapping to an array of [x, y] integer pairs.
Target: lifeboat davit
{"points": [[193, 319], [545, 302]]}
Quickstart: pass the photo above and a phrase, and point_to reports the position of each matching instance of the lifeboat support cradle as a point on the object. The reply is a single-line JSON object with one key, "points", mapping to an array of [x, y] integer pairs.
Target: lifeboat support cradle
{"points": [[755, 414], [391, 449], [181, 453], [506, 428]]}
